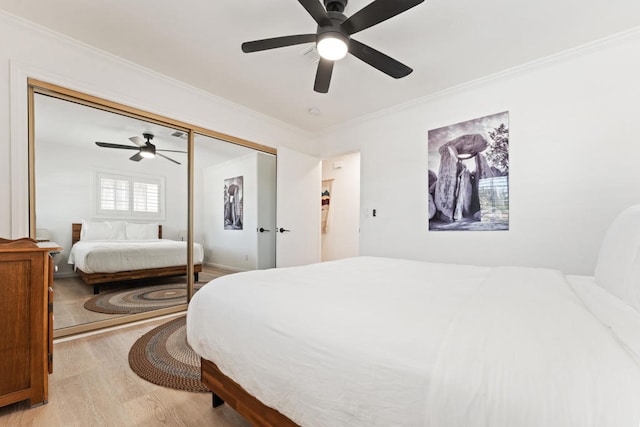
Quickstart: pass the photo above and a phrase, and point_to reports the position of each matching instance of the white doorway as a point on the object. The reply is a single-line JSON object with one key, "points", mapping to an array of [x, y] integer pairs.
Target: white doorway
{"points": [[340, 222], [298, 208]]}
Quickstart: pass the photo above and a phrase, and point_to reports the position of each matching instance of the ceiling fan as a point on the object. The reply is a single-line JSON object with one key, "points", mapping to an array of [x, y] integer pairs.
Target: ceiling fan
{"points": [[333, 36], [146, 150]]}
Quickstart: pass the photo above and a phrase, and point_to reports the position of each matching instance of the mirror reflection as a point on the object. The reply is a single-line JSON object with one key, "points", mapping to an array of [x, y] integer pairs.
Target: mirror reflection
{"points": [[234, 205], [111, 190]]}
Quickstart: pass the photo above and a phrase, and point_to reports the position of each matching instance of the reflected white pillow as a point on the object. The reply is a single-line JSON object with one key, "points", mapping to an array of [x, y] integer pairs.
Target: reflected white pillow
{"points": [[107, 230], [618, 267], [141, 231]]}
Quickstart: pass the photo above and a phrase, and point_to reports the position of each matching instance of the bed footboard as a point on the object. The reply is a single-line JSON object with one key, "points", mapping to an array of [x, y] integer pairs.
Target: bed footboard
{"points": [[96, 279], [226, 390]]}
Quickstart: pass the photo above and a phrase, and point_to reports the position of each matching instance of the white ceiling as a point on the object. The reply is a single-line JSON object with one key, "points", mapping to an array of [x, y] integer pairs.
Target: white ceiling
{"points": [[446, 42], [70, 126], [66, 123]]}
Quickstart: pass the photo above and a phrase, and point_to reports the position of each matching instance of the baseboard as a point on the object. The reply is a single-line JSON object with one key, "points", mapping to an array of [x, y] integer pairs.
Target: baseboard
{"points": [[224, 267], [65, 275]]}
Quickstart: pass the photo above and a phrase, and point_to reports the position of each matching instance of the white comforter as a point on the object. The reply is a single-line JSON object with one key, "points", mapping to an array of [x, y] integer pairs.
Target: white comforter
{"points": [[111, 256], [383, 342]]}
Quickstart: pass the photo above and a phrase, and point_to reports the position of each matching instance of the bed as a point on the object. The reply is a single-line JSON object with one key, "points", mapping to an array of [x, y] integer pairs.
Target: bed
{"points": [[114, 251], [378, 342]]}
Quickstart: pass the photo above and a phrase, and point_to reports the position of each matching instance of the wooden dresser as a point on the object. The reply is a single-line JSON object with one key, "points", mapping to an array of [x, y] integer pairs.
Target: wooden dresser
{"points": [[26, 322]]}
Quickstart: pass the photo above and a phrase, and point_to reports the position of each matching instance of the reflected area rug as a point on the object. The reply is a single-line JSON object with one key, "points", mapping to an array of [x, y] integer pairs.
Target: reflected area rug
{"points": [[140, 299], [163, 356], [148, 294]]}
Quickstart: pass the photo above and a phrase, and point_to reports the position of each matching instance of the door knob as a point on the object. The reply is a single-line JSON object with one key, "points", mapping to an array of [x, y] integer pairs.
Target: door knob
{"points": [[282, 230], [262, 230]]}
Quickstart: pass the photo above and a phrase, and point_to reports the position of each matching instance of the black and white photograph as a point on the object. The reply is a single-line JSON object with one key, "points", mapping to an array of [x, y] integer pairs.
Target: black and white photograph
{"points": [[469, 175], [233, 203]]}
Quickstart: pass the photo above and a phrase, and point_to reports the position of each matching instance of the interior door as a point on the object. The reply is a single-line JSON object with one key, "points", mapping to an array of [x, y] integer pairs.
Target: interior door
{"points": [[298, 208], [266, 227]]}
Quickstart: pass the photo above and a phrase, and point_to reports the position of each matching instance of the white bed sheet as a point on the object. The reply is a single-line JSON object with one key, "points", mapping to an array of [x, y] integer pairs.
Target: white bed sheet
{"points": [[112, 256], [617, 315], [384, 342]]}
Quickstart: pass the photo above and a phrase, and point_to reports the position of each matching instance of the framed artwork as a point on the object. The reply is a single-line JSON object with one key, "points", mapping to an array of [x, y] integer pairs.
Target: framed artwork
{"points": [[233, 209], [469, 175], [325, 200]]}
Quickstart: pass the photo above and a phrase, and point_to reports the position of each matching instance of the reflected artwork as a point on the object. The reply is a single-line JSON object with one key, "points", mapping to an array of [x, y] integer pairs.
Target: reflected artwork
{"points": [[233, 203]]}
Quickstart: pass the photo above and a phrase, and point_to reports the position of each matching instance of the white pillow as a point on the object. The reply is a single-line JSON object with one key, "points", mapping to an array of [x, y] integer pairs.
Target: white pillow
{"points": [[618, 266], [141, 231], [108, 230]]}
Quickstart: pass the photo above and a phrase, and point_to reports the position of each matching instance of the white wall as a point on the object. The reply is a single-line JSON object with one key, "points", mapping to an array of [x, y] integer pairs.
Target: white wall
{"points": [[29, 51], [341, 239], [574, 161], [204, 158], [573, 132]]}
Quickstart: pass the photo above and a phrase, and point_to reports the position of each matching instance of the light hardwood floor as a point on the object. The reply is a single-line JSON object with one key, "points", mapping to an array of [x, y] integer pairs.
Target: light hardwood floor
{"points": [[92, 385]]}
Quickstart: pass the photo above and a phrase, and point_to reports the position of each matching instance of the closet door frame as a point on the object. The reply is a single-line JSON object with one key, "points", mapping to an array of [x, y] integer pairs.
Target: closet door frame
{"points": [[35, 86]]}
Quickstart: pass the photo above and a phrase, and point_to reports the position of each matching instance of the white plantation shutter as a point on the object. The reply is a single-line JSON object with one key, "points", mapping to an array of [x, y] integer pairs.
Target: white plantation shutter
{"points": [[129, 196], [146, 197], [114, 194]]}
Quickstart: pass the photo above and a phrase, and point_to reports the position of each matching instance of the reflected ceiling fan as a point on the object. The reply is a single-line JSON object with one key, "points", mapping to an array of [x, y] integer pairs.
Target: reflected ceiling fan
{"points": [[146, 150], [333, 36]]}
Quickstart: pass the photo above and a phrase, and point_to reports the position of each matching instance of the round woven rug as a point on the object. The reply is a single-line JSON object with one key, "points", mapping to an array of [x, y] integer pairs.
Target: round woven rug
{"points": [[138, 300], [163, 356]]}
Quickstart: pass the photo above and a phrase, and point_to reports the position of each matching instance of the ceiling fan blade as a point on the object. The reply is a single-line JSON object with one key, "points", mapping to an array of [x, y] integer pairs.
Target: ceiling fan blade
{"points": [[110, 145], [258, 45], [171, 151], [168, 158], [377, 12], [317, 12], [136, 157], [138, 141], [378, 60], [323, 76]]}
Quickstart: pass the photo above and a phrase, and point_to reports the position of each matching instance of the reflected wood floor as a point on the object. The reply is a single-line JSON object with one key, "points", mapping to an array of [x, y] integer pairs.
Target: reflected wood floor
{"points": [[92, 385], [70, 294]]}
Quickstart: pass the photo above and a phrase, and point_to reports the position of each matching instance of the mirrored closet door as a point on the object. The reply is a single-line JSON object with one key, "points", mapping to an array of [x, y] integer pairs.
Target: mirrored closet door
{"points": [[109, 188], [234, 205], [113, 187]]}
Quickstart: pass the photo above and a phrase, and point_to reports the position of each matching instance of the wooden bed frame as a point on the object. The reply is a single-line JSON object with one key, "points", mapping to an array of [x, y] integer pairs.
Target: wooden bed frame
{"points": [[224, 389], [96, 279]]}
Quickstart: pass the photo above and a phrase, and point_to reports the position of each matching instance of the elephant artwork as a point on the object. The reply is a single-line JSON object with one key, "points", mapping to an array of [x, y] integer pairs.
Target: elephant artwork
{"points": [[469, 175]]}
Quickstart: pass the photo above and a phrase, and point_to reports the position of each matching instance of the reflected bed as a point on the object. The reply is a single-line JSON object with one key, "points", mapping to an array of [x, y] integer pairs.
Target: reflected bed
{"points": [[113, 260]]}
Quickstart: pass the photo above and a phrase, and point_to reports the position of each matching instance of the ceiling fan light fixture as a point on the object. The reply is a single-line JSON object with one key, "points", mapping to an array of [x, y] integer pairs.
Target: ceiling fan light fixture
{"points": [[332, 45], [148, 152], [333, 36]]}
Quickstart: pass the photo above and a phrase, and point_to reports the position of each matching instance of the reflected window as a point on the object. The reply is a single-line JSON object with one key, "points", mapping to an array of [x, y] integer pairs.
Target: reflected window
{"points": [[129, 196]]}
